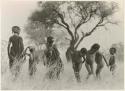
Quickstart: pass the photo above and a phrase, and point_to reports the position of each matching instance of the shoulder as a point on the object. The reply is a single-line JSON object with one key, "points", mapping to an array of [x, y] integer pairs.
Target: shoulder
{"points": [[112, 56], [55, 46], [11, 38], [20, 38], [99, 53], [88, 52], [76, 52]]}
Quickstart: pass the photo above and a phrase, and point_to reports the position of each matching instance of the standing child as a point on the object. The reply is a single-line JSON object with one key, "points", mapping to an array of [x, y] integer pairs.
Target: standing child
{"points": [[33, 60], [17, 47], [112, 63], [77, 62], [99, 57], [90, 59], [53, 60]]}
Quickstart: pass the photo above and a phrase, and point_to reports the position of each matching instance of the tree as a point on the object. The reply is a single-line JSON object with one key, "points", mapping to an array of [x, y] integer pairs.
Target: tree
{"points": [[37, 32], [71, 16]]}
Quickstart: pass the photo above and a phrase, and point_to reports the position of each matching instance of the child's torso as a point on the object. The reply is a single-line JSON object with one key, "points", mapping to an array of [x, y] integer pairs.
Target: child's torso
{"points": [[112, 60], [76, 57], [90, 57], [16, 48], [98, 58]]}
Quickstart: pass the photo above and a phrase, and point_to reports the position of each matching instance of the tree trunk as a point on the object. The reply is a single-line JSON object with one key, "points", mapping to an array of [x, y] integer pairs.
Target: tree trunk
{"points": [[69, 51], [68, 55]]}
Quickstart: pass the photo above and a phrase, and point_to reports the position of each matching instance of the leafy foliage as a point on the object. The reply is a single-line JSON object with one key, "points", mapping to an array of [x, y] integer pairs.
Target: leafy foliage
{"points": [[72, 15]]}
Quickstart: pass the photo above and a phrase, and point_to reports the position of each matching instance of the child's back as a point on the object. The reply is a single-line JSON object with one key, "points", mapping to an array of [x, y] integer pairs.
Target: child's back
{"points": [[90, 57], [76, 57], [17, 45]]}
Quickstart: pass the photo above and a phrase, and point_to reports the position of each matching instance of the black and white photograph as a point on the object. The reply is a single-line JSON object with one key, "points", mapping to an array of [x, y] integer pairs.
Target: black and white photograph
{"points": [[62, 45]]}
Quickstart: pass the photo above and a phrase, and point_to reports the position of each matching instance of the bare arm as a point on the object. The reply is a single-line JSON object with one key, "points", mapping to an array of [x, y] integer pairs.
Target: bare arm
{"points": [[84, 59], [21, 45], [105, 60], [8, 49]]}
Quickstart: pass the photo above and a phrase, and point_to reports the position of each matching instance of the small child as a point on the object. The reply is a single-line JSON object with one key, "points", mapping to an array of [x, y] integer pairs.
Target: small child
{"points": [[112, 63], [33, 59]]}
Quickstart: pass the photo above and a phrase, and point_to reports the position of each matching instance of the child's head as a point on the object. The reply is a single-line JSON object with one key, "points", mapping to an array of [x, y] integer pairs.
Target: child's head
{"points": [[83, 51], [31, 49], [16, 29], [50, 40], [112, 50], [95, 47]]}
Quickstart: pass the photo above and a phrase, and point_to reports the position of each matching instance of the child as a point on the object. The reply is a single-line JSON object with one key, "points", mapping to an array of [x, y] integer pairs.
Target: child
{"points": [[77, 62], [99, 61], [17, 47], [33, 59], [90, 57], [53, 60], [112, 62]]}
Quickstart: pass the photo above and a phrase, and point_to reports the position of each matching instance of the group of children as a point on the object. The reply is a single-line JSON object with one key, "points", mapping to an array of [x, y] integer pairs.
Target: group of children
{"points": [[90, 57], [53, 60], [17, 54]]}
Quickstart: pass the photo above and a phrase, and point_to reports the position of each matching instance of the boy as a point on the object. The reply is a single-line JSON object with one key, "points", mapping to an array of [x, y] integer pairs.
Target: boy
{"points": [[53, 60], [112, 62], [99, 61], [90, 57], [77, 62], [17, 47]]}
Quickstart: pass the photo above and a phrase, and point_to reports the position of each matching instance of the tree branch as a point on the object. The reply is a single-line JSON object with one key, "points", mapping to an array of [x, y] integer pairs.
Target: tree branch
{"points": [[63, 21], [89, 33], [82, 22], [73, 24], [67, 39], [61, 24], [103, 24]]}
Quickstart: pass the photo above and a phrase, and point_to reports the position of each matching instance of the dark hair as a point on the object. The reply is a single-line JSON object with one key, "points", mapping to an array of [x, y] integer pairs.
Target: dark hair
{"points": [[95, 46], [16, 31], [83, 50], [31, 49], [112, 49], [50, 39]]}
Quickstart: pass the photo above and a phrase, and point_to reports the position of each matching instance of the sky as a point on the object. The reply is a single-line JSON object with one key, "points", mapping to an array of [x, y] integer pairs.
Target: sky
{"points": [[17, 12]]}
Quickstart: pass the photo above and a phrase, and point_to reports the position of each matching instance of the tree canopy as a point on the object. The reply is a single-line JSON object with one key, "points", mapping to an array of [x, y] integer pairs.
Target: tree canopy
{"points": [[72, 15]]}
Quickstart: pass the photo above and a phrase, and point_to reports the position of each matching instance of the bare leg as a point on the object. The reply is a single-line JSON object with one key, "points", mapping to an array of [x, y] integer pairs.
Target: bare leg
{"points": [[92, 68], [77, 68], [98, 71], [80, 66], [88, 69], [112, 69]]}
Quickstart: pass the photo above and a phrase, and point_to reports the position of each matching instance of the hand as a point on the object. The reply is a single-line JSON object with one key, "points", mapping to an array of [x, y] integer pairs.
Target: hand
{"points": [[83, 61]]}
